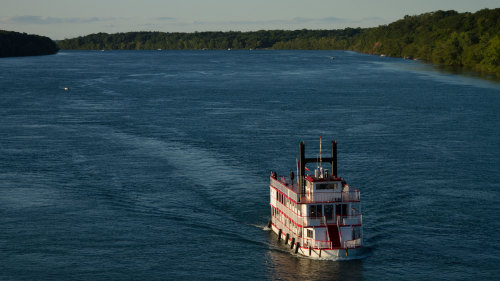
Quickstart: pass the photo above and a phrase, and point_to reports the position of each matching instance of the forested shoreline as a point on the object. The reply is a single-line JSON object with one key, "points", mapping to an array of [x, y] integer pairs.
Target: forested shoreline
{"points": [[450, 38], [15, 44]]}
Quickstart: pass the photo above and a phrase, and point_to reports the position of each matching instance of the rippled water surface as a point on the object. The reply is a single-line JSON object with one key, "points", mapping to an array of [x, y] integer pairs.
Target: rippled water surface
{"points": [[155, 164]]}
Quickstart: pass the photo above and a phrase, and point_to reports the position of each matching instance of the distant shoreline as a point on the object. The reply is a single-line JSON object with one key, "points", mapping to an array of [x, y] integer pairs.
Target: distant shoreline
{"points": [[447, 38]]}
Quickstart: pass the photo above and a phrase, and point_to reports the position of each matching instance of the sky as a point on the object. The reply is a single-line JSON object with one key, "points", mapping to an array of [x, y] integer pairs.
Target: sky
{"points": [[60, 19]]}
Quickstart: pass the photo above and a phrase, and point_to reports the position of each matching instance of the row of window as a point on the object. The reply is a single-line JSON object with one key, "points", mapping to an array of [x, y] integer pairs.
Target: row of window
{"points": [[286, 221], [322, 186], [285, 201], [328, 210], [326, 186]]}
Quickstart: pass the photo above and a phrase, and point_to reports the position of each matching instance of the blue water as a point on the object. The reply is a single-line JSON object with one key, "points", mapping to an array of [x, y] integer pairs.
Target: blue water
{"points": [[155, 164]]}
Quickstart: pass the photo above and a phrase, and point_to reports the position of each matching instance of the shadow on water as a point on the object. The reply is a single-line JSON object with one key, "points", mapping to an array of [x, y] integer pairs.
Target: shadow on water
{"points": [[288, 267], [467, 72], [284, 265]]}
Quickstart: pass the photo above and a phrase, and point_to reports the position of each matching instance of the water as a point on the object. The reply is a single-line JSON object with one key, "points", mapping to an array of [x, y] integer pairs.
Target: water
{"points": [[155, 165]]}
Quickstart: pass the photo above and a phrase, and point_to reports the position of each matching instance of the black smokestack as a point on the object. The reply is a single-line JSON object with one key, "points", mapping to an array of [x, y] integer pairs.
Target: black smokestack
{"points": [[334, 158], [302, 159]]}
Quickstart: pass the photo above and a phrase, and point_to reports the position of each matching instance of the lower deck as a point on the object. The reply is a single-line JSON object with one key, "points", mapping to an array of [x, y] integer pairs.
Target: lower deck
{"points": [[323, 236], [314, 252]]}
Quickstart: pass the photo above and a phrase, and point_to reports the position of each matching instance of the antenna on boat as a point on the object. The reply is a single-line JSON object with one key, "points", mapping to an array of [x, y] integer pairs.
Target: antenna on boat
{"points": [[320, 159]]}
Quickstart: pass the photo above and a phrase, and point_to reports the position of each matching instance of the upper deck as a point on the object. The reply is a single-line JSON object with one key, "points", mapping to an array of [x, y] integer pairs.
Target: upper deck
{"points": [[316, 190]]}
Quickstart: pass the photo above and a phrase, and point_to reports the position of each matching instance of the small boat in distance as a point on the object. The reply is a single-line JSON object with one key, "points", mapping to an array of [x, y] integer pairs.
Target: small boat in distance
{"points": [[318, 214]]}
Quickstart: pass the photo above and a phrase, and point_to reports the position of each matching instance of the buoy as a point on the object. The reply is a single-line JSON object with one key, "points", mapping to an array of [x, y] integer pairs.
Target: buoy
{"points": [[320, 253], [297, 247], [279, 235], [346, 254], [293, 242], [66, 88], [310, 249], [286, 240]]}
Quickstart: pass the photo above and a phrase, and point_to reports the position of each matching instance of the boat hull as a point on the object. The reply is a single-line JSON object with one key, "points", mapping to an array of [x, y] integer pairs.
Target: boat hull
{"points": [[315, 253]]}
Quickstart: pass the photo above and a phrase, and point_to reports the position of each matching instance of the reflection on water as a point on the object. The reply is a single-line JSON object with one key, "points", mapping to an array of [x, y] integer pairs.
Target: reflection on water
{"points": [[448, 74], [286, 266]]}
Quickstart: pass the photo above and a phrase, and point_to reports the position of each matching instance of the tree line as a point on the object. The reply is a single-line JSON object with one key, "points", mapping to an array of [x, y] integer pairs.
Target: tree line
{"points": [[13, 44], [263, 39], [443, 37]]}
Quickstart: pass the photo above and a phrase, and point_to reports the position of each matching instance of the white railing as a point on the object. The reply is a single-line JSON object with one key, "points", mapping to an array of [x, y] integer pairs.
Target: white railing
{"points": [[350, 196], [284, 189], [318, 196], [289, 213], [286, 230], [326, 228], [312, 221], [352, 243], [338, 228], [351, 220], [317, 243], [298, 219], [326, 196], [334, 196], [304, 242]]}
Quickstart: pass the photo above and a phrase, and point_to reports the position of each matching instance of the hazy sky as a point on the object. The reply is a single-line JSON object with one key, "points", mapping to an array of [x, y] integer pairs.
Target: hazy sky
{"points": [[61, 19]]}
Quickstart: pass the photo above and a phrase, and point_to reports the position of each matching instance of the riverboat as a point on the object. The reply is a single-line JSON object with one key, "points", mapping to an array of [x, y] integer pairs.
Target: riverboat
{"points": [[317, 214]]}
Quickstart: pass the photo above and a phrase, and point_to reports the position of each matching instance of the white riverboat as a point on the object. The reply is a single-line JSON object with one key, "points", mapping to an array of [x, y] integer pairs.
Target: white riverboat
{"points": [[316, 214]]}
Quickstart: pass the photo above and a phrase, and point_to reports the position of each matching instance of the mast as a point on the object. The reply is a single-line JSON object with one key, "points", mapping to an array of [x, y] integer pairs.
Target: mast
{"points": [[320, 159], [303, 161]]}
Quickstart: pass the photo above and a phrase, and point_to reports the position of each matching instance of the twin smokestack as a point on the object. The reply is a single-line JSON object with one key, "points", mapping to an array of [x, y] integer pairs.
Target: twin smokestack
{"points": [[303, 161]]}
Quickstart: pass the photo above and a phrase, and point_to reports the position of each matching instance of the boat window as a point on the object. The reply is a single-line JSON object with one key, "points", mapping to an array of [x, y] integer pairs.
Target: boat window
{"points": [[309, 233], [326, 186], [312, 210], [315, 211], [329, 212], [338, 209]]}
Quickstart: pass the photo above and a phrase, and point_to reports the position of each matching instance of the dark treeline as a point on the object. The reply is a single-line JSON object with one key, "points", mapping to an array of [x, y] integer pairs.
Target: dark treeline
{"points": [[443, 37], [14, 44], [264, 39]]}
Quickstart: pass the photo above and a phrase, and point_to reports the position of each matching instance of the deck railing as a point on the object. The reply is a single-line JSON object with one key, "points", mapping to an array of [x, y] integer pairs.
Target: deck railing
{"points": [[351, 220], [352, 243], [335, 196], [287, 190], [289, 213], [342, 220], [317, 244], [317, 220]]}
